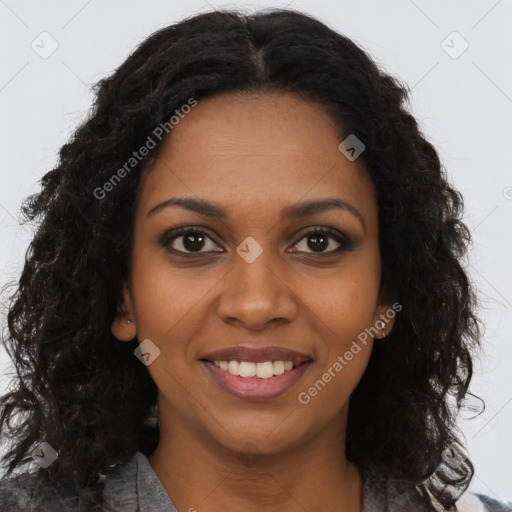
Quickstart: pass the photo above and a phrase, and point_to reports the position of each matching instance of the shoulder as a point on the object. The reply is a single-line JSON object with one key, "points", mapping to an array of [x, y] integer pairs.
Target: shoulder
{"points": [[27, 492], [383, 493], [120, 489], [474, 502], [30, 492]]}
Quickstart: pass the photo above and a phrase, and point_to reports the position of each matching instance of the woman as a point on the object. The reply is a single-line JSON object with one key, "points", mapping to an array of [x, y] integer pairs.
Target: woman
{"points": [[245, 291]]}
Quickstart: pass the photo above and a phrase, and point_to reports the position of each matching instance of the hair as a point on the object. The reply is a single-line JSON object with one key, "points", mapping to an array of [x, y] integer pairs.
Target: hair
{"points": [[84, 392]]}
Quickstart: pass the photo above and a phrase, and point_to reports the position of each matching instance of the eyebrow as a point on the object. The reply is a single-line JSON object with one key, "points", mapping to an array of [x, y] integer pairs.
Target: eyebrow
{"points": [[294, 211]]}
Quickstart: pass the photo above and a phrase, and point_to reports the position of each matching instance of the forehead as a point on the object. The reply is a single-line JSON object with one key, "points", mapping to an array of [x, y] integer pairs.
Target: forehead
{"points": [[264, 148]]}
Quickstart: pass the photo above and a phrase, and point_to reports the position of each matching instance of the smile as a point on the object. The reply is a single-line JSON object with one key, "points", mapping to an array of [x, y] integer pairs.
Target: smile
{"points": [[256, 381]]}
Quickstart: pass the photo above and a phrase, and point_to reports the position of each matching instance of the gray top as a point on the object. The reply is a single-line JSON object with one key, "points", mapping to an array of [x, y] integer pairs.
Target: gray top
{"points": [[135, 487]]}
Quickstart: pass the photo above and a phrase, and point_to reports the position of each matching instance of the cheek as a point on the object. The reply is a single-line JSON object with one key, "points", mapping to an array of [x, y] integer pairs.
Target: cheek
{"points": [[343, 309], [165, 302], [166, 296], [341, 319], [344, 302]]}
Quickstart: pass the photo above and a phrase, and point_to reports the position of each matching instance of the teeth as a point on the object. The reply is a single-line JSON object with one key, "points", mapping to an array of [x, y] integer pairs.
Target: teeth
{"points": [[263, 370], [233, 367]]}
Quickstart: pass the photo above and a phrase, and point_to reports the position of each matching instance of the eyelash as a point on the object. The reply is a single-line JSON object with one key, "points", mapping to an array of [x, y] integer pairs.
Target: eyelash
{"points": [[168, 237]]}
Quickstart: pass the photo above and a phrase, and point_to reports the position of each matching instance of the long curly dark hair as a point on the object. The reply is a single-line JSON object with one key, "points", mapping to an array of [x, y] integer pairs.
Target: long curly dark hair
{"points": [[82, 391]]}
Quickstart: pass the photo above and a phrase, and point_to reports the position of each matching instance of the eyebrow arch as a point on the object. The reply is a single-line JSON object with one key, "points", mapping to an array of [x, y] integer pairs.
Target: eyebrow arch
{"points": [[294, 211]]}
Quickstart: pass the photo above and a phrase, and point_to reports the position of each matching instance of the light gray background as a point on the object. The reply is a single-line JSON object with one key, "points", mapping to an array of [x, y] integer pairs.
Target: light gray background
{"points": [[464, 106]]}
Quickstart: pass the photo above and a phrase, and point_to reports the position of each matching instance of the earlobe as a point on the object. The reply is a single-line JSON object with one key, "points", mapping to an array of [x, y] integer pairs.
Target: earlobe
{"points": [[385, 319], [386, 310], [123, 326]]}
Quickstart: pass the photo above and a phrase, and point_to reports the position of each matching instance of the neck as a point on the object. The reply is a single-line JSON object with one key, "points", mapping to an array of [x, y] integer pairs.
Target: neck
{"points": [[200, 474]]}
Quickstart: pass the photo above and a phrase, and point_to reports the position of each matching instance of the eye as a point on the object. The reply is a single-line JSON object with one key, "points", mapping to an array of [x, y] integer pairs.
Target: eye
{"points": [[319, 238], [189, 240]]}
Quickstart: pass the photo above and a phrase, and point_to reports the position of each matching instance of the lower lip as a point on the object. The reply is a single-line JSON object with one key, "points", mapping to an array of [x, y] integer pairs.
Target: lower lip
{"points": [[254, 388]]}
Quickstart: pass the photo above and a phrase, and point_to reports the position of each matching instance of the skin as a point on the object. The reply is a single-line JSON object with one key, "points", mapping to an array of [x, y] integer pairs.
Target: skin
{"points": [[254, 154]]}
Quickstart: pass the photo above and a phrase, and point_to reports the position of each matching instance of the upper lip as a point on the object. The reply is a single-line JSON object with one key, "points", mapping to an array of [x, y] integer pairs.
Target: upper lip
{"points": [[256, 355]]}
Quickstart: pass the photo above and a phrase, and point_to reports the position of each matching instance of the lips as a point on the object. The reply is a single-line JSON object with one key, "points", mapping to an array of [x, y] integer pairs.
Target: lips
{"points": [[256, 355], [256, 389]]}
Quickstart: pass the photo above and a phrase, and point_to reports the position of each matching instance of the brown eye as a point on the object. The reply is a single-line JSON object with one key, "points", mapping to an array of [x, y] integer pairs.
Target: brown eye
{"points": [[319, 239], [188, 241]]}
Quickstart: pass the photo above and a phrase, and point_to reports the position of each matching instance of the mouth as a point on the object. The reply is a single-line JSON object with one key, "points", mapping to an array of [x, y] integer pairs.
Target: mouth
{"points": [[256, 380]]}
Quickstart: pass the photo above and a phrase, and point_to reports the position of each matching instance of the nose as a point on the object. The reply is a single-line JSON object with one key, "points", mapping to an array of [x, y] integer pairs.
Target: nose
{"points": [[256, 294]]}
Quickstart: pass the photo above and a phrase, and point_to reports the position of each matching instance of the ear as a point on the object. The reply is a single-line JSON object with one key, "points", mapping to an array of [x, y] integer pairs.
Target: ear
{"points": [[385, 313], [123, 326]]}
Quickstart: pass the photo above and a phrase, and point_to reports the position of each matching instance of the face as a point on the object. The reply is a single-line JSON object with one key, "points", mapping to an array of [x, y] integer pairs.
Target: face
{"points": [[255, 271]]}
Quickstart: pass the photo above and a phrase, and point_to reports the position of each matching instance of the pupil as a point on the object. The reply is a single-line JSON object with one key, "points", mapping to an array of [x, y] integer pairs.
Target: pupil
{"points": [[317, 239], [190, 245]]}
